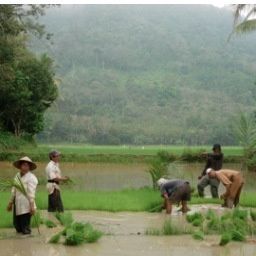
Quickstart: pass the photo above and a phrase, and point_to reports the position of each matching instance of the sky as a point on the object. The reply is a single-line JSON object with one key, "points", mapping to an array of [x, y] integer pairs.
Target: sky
{"points": [[216, 3]]}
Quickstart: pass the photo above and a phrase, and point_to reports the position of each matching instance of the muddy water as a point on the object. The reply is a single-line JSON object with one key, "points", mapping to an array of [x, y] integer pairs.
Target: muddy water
{"points": [[124, 231], [124, 236]]}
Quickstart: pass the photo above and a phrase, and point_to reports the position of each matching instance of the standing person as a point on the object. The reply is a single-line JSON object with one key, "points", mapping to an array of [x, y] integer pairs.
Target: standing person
{"points": [[174, 191], [53, 176], [214, 161], [23, 206], [233, 181]]}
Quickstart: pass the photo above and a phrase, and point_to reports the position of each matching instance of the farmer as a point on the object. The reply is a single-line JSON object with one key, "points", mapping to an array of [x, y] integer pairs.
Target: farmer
{"points": [[23, 205], [233, 181], [214, 161], [53, 176], [174, 191]]}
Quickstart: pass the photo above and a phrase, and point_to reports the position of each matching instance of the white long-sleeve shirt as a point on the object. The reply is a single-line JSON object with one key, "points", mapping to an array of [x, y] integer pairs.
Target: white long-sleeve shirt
{"points": [[52, 171], [22, 202]]}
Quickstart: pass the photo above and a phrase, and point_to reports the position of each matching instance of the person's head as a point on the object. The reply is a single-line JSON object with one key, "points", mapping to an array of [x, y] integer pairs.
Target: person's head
{"points": [[24, 164], [210, 172], [216, 148], [160, 182], [54, 155]]}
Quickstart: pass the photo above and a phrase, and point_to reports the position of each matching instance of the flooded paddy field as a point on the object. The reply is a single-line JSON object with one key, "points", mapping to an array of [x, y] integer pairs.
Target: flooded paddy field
{"points": [[124, 232], [124, 235]]}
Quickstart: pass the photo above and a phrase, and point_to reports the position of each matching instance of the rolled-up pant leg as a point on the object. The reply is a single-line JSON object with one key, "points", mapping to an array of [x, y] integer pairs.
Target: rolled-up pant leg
{"points": [[214, 185], [204, 182]]}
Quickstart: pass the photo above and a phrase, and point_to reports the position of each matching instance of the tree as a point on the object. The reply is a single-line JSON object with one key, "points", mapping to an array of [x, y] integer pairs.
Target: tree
{"points": [[27, 86], [244, 21]]}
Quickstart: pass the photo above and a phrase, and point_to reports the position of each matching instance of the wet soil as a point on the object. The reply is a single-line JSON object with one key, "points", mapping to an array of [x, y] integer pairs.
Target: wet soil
{"points": [[124, 236]]}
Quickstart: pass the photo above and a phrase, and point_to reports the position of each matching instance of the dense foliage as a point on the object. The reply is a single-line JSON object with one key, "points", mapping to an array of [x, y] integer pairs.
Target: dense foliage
{"points": [[147, 74], [27, 87]]}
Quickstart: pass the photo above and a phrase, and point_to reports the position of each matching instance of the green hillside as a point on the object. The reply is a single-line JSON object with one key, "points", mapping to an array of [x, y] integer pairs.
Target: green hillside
{"points": [[147, 74]]}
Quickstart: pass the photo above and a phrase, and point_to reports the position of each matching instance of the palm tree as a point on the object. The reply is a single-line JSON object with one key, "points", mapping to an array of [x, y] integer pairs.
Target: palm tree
{"points": [[244, 18]]}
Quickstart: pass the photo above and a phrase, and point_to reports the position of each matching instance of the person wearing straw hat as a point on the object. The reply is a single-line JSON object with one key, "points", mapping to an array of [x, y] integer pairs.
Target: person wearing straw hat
{"points": [[174, 191], [23, 204], [233, 181], [53, 175]]}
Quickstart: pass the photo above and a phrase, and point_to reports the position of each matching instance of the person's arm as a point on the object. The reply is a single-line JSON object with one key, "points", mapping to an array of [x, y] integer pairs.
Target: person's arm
{"points": [[61, 179], [224, 195], [207, 165]]}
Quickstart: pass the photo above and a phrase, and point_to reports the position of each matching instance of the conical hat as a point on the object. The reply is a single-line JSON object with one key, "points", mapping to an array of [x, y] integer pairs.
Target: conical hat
{"points": [[26, 159]]}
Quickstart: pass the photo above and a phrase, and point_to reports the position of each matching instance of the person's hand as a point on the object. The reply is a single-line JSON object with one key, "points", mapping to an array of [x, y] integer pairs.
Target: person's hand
{"points": [[32, 209], [9, 207], [204, 154], [222, 196]]}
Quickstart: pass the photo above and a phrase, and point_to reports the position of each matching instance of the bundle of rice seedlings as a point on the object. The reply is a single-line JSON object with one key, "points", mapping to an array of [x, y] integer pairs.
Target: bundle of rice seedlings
{"points": [[199, 235], [210, 214], [191, 217], [225, 238], [238, 235], [225, 216], [227, 225], [91, 234], [197, 222], [65, 219], [240, 214], [50, 223], [213, 225], [74, 237], [253, 215], [56, 238]]}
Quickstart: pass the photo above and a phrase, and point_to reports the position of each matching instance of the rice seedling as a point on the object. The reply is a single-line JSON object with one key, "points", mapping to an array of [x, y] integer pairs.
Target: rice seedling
{"points": [[65, 219], [225, 239], [198, 235], [240, 214], [253, 215], [50, 223], [171, 229], [238, 236], [210, 214], [191, 217], [74, 237], [197, 222], [225, 216], [56, 238], [153, 232], [91, 234]]}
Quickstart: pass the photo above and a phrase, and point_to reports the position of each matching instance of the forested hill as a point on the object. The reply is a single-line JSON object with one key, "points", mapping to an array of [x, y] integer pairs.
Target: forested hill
{"points": [[147, 74]]}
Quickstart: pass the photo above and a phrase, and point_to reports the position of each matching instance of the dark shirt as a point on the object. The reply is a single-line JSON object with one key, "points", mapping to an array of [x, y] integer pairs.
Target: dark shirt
{"points": [[171, 185], [214, 161]]}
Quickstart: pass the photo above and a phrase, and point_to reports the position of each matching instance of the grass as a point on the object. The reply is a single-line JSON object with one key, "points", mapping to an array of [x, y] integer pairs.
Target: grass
{"points": [[133, 149], [120, 154]]}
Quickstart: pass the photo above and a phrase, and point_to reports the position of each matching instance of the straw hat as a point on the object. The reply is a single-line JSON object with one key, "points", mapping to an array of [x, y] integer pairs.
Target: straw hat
{"points": [[25, 159]]}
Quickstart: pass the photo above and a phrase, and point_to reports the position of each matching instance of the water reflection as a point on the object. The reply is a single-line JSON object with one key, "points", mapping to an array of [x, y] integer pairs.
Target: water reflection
{"points": [[108, 176]]}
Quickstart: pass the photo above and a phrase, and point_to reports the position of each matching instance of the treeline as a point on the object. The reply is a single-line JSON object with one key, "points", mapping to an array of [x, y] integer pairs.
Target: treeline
{"points": [[147, 74]]}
